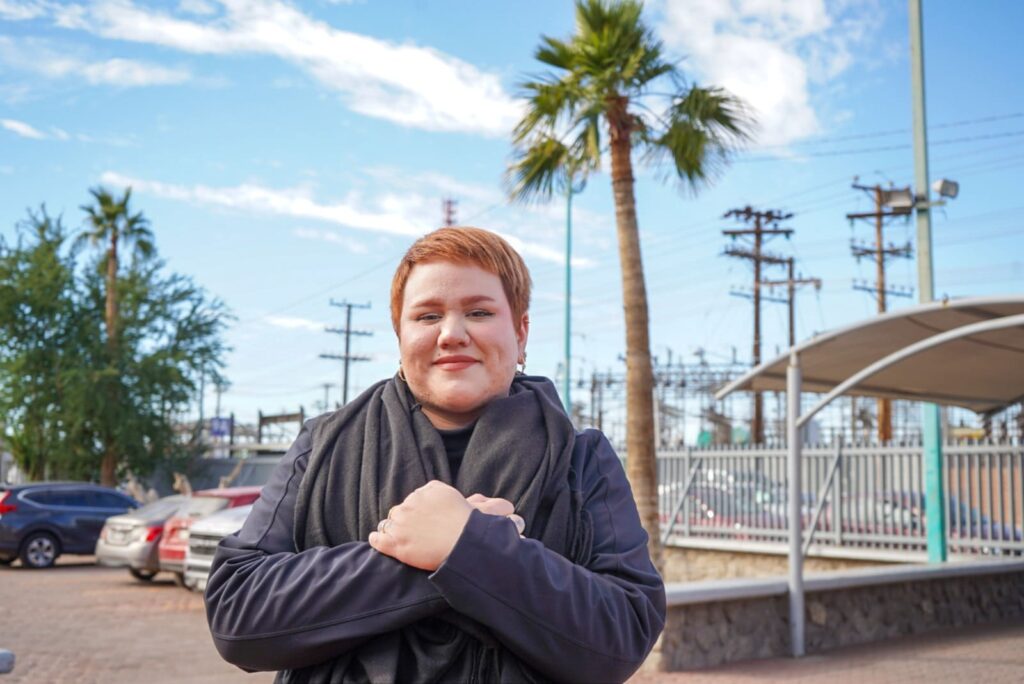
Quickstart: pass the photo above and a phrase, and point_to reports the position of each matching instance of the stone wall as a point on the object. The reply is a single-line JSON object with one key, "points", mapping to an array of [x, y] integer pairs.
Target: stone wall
{"points": [[694, 565], [700, 634], [870, 614]]}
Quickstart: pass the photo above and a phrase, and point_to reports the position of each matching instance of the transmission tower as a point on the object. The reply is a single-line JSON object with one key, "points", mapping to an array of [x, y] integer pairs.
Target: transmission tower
{"points": [[448, 211], [348, 332], [764, 225], [889, 203]]}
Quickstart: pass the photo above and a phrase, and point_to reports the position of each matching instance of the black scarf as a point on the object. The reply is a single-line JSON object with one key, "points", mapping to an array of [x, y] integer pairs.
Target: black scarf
{"points": [[371, 454]]}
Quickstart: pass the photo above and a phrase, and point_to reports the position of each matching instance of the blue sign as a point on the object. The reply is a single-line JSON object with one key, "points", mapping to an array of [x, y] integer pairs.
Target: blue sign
{"points": [[220, 427]]}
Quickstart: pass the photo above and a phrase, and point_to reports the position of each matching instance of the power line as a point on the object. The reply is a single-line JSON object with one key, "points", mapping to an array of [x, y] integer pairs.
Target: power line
{"points": [[886, 148], [895, 131]]}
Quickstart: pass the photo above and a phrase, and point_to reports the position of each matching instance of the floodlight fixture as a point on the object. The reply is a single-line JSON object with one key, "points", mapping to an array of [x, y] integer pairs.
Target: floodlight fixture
{"points": [[946, 188]]}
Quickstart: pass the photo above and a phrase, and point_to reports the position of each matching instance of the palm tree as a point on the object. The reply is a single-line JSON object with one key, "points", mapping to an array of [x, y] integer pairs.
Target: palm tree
{"points": [[111, 222], [604, 83]]}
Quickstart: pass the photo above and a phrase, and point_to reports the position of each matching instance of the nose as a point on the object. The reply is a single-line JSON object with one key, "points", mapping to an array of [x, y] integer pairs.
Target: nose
{"points": [[453, 333]]}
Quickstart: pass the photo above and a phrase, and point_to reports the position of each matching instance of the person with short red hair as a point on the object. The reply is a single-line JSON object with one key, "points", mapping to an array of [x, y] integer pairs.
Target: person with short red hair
{"points": [[449, 524]]}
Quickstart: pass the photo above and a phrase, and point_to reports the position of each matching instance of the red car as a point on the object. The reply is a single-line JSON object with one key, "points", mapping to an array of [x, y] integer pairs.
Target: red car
{"points": [[174, 542]]}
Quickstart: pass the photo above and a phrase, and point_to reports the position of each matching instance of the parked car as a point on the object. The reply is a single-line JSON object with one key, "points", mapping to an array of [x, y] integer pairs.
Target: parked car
{"points": [[203, 538], [131, 540], [42, 520], [174, 541]]}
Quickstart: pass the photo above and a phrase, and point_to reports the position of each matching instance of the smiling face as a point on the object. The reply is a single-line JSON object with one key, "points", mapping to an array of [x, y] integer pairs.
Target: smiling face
{"points": [[458, 341]]}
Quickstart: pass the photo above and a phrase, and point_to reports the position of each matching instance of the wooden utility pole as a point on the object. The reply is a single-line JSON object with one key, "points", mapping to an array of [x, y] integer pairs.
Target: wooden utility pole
{"points": [[889, 203], [765, 224], [348, 332], [791, 284]]}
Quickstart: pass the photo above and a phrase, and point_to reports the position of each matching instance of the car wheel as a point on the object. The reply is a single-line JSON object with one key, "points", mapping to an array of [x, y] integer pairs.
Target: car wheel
{"points": [[142, 575], [39, 550]]}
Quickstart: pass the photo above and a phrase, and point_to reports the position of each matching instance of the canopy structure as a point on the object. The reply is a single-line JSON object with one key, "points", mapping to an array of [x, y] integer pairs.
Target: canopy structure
{"points": [[967, 352], [983, 371]]}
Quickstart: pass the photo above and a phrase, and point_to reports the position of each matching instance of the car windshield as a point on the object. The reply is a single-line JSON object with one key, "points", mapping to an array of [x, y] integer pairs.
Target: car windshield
{"points": [[198, 506]]}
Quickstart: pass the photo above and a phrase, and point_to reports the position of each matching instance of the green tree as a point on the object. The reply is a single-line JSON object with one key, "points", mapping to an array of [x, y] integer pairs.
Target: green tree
{"points": [[40, 333], [608, 79], [111, 223], [58, 370]]}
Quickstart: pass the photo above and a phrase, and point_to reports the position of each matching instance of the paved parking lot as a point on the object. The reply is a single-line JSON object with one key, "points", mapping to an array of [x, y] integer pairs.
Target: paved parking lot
{"points": [[78, 622], [81, 623]]}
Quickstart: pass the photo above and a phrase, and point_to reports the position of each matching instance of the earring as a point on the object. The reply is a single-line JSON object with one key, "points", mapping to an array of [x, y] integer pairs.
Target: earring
{"points": [[401, 373], [522, 363]]}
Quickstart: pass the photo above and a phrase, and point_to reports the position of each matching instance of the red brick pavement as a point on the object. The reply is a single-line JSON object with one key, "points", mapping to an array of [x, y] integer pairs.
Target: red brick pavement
{"points": [[978, 655], [81, 623]]}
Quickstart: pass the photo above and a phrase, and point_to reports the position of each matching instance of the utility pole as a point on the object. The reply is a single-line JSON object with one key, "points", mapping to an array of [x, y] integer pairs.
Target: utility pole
{"points": [[348, 332], [889, 203], [765, 224], [327, 388], [791, 284], [448, 210]]}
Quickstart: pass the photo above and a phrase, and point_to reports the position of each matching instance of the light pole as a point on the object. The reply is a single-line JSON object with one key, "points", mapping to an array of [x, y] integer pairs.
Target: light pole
{"points": [[571, 190], [567, 375], [931, 429]]}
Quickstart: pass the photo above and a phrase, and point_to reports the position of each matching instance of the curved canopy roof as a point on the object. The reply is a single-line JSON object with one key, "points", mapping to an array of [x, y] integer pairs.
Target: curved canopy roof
{"points": [[982, 372]]}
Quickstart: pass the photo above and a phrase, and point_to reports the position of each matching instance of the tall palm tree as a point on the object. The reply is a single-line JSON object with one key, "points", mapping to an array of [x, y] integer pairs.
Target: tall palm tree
{"points": [[606, 81], [109, 221]]}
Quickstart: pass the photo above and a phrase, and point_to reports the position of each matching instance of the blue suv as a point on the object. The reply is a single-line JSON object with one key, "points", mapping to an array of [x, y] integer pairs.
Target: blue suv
{"points": [[42, 520]]}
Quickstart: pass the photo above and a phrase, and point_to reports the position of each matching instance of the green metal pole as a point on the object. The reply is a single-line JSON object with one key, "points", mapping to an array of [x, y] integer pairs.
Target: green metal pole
{"points": [[931, 429], [566, 387]]}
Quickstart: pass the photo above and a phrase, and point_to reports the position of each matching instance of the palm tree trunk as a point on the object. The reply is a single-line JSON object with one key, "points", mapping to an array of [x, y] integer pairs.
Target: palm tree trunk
{"points": [[108, 464], [640, 455]]}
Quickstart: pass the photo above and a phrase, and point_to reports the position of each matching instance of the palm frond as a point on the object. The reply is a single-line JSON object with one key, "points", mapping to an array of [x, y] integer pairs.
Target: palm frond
{"points": [[537, 169], [703, 128]]}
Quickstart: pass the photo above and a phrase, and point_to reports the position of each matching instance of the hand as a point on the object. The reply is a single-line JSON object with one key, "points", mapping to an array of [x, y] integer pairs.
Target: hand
{"points": [[422, 530], [497, 506]]}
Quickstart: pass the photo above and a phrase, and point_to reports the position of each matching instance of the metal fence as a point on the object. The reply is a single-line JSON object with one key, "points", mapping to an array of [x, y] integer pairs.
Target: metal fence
{"points": [[857, 500]]}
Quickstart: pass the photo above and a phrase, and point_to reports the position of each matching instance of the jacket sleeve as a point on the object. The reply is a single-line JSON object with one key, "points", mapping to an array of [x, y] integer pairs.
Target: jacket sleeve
{"points": [[272, 608], [570, 622]]}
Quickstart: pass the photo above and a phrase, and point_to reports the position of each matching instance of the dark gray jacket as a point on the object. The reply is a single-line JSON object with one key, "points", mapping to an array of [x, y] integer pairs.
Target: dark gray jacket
{"points": [[270, 608]]}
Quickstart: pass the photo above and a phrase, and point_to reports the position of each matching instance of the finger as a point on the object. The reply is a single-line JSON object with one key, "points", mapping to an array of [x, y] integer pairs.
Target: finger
{"points": [[383, 543], [476, 498], [499, 507], [519, 523]]}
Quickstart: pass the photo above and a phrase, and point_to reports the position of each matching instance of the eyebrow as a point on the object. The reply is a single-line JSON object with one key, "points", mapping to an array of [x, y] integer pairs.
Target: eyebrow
{"points": [[466, 301]]}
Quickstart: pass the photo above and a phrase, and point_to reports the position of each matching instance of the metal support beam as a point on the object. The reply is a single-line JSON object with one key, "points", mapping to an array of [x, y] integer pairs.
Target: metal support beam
{"points": [[796, 557]]}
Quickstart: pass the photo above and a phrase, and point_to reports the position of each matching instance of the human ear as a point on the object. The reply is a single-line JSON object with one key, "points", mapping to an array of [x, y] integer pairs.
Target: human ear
{"points": [[522, 332]]}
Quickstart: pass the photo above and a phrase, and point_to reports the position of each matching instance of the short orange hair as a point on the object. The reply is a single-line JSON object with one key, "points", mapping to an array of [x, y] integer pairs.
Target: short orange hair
{"points": [[467, 246]]}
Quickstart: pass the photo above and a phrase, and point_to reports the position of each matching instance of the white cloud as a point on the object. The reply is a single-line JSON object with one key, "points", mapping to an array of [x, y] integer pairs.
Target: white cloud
{"points": [[199, 7], [333, 237], [39, 57], [20, 11], [390, 213], [294, 202], [407, 84], [127, 74], [294, 323], [771, 53], [23, 129]]}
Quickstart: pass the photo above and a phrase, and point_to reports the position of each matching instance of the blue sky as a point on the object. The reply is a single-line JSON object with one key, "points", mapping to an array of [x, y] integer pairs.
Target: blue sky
{"points": [[288, 153]]}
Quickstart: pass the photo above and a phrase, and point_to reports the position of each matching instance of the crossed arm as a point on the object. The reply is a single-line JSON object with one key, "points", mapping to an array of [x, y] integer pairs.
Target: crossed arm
{"points": [[271, 607]]}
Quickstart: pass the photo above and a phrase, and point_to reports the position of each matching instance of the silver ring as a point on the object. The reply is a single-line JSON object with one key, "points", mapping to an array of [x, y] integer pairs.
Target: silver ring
{"points": [[383, 525]]}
